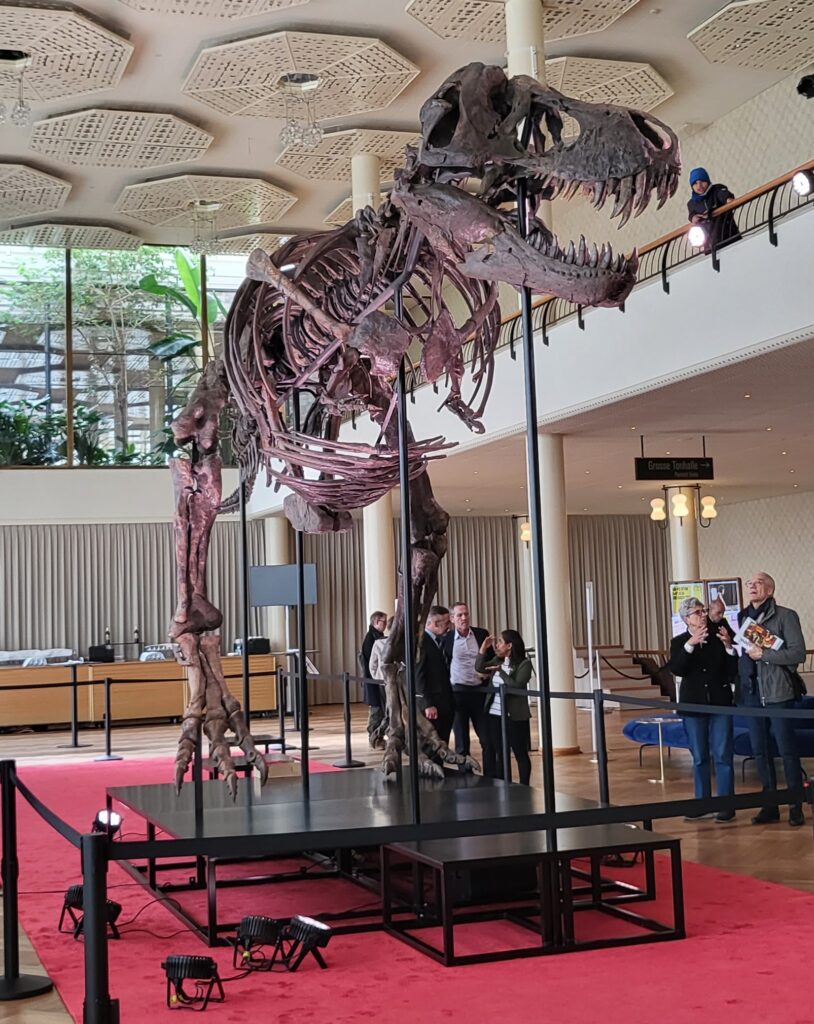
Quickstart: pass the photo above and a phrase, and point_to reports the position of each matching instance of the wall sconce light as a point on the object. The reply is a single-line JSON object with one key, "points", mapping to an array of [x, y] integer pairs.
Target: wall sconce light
{"points": [[657, 510], [803, 183], [697, 236], [525, 531], [680, 507]]}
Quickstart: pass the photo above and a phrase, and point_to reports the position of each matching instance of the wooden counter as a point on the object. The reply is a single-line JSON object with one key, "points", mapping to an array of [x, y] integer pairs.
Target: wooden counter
{"points": [[164, 698]]}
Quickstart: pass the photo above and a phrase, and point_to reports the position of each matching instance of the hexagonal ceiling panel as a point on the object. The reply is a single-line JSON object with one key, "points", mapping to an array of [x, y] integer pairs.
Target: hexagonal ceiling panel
{"points": [[245, 244], [356, 74], [244, 201], [71, 55], [623, 82], [331, 160], [484, 21], [25, 191], [119, 138], [340, 214], [213, 8], [71, 236], [770, 35]]}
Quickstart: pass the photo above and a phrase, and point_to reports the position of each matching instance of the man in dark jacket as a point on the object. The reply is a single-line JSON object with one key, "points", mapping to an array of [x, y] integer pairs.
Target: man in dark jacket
{"points": [[432, 674], [461, 646], [374, 694], [705, 199], [705, 660], [766, 680]]}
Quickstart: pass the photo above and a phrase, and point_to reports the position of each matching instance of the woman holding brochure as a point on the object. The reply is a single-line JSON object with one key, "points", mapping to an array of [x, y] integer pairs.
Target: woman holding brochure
{"points": [[707, 663]]}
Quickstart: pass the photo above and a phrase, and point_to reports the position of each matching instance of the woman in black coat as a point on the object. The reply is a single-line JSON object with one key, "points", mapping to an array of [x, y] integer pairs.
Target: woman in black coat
{"points": [[704, 659]]}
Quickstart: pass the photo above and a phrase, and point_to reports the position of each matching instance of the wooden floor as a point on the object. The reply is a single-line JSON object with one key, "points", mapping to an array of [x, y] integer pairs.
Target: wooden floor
{"points": [[775, 853]]}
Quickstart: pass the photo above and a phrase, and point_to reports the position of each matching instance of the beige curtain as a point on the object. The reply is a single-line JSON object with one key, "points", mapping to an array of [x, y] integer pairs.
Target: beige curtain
{"points": [[626, 557], [61, 586]]}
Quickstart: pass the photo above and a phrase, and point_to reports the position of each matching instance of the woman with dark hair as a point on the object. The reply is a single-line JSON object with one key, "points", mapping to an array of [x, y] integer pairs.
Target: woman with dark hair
{"points": [[510, 666]]}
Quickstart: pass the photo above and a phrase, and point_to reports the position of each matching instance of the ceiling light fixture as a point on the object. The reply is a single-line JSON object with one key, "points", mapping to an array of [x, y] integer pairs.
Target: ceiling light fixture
{"points": [[301, 128], [680, 507], [204, 218], [13, 64]]}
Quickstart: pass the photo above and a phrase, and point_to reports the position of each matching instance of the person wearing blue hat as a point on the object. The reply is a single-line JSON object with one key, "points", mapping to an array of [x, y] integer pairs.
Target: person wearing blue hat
{"points": [[705, 199]]}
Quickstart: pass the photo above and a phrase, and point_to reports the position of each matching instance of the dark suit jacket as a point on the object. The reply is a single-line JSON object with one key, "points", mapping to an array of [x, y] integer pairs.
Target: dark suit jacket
{"points": [[374, 695], [432, 678]]}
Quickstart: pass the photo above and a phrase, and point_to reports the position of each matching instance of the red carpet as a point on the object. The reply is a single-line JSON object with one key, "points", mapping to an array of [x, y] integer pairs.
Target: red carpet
{"points": [[747, 958]]}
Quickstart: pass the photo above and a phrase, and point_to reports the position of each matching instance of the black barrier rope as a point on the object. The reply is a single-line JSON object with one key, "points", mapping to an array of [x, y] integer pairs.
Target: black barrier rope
{"points": [[65, 830], [636, 679]]}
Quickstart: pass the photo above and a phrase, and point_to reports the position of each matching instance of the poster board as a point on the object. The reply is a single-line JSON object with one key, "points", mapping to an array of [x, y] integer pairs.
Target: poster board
{"points": [[706, 591], [679, 591]]}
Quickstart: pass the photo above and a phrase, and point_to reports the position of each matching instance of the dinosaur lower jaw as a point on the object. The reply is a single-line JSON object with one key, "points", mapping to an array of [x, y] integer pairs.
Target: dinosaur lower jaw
{"points": [[588, 278]]}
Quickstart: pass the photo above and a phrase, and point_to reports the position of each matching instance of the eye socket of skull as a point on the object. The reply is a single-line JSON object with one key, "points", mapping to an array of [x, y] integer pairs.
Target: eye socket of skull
{"points": [[654, 132]]}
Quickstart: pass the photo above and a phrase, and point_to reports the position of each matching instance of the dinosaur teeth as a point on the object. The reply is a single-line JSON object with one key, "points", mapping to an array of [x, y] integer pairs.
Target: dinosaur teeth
{"points": [[600, 194], [594, 259], [642, 190], [582, 251], [570, 254]]}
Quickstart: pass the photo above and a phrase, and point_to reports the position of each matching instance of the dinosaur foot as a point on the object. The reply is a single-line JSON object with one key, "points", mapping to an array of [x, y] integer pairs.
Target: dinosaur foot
{"points": [[428, 769]]}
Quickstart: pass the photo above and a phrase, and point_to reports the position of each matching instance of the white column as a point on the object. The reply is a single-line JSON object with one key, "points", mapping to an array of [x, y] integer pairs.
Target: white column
{"points": [[557, 590], [366, 186], [380, 558], [380, 553], [525, 39], [278, 552], [684, 555]]}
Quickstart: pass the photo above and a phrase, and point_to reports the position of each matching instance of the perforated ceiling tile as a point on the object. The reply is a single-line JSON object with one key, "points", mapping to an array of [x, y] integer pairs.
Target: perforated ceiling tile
{"points": [[331, 160], [626, 83], [771, 35], [356, 74], [244, 201], [119, 138], [213, 8], [71, 55], [484, 21], [25, 191], [244, 244], [340, 214], [70, 236]]}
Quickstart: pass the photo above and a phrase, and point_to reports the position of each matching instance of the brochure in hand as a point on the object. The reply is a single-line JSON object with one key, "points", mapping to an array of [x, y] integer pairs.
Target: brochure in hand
{"points": [[752, 632]]}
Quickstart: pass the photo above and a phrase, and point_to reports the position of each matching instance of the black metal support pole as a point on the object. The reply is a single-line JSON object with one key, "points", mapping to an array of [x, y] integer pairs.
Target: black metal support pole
{"points": [[244, 602], [407, 577], [13, 985], [108, 755], [302, 678], [98, 1008], [535, 521], [601, 747], [348, 761], [74, 744], [504, 735]]}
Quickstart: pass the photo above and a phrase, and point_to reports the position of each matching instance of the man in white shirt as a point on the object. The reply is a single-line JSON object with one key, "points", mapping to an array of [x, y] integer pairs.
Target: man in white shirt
{"points": [[461, 646]]}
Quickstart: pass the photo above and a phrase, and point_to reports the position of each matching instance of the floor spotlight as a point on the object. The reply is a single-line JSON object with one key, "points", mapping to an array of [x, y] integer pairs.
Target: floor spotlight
{"points": [[73, 907], [803, 183], [307, 935], [202, 970], [255, 932], [698, 236], [107, 821]]}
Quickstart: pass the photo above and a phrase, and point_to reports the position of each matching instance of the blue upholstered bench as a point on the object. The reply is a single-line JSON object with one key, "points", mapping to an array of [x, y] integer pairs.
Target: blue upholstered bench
{"points": [[646, 734]]}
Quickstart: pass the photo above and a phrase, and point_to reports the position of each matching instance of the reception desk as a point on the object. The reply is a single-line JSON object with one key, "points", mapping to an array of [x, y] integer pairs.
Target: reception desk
{"points": [[141, 689]]}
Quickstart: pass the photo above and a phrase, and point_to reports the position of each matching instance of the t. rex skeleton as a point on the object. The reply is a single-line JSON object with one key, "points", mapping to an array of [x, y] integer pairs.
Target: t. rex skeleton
{"points": [[328, 330]]}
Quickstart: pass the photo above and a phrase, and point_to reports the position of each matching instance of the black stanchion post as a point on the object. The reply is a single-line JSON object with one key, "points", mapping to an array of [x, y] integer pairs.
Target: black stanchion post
{"points": [[281, 706], [504, 735], [108, 755], [601, 746], [348, 762], [13, 985], [74, 744], [98, 1008]]}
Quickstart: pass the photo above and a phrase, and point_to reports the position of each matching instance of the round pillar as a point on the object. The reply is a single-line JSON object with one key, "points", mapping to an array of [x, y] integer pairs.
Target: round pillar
{"points": [[554, 520], [278, 552], [380, 558], [366, 185], [684, 555], [525, 39]]}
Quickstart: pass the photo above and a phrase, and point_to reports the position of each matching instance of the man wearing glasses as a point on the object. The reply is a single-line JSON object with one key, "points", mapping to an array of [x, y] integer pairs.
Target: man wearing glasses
{"points": [[705, 660], [766, 679]]}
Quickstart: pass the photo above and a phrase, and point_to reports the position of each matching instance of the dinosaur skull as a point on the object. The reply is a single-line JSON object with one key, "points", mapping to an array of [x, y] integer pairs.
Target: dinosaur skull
{"points": [[470, 128]]}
